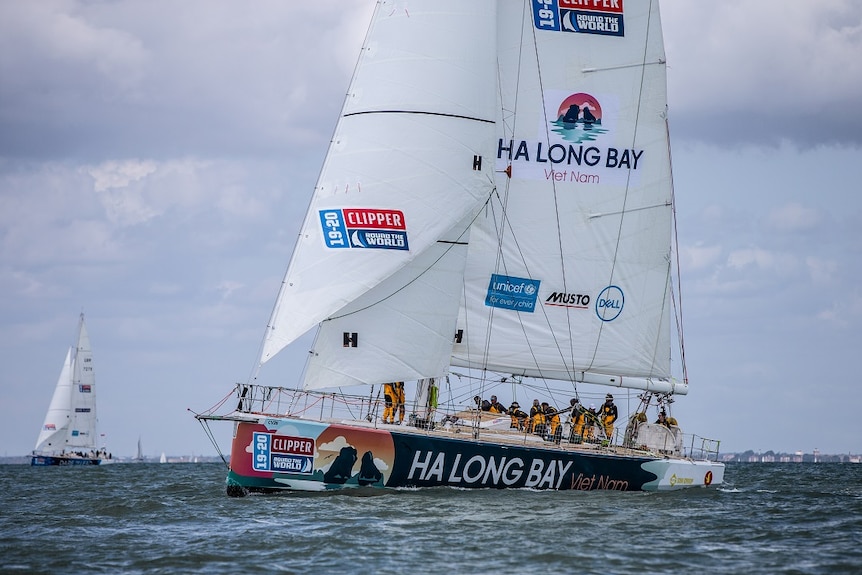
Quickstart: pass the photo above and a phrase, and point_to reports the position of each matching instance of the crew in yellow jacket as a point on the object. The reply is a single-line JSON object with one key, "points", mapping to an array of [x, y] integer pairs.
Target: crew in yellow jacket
{"points": [[552, 419], [400, 400], [608, 413], [389, 401]]}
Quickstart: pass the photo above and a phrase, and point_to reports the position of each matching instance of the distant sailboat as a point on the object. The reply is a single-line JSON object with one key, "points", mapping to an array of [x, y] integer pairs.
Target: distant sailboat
{"points": [[163, 459], [139, 455], [68, 435]]}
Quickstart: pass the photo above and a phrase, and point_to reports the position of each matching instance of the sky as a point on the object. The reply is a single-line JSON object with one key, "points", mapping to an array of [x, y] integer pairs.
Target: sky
{"points": [[157, 158]]}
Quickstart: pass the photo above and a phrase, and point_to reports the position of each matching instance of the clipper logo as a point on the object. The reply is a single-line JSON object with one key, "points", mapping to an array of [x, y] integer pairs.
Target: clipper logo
{"points": [[282, 453], [585, 16], [609, 304], [513, 293], [364, 228]]}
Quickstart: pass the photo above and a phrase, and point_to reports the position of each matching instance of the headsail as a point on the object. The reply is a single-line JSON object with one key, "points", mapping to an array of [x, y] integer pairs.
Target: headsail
{"points": [[56, 423], [408, 168], [569, 270]]}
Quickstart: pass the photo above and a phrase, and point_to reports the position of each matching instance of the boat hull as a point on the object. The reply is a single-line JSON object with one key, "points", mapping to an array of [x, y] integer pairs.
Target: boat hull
{"points": [[48, 460], [285, 454]]}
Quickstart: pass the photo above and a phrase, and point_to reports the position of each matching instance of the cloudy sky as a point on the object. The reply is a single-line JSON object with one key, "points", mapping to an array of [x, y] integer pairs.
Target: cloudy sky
{"points": [[156, 159]]}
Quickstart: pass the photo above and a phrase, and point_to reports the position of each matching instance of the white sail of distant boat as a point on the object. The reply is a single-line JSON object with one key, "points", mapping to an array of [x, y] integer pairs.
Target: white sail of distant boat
{"points": [[163, 458], [68, 435], [498, 198], [139, 454]]}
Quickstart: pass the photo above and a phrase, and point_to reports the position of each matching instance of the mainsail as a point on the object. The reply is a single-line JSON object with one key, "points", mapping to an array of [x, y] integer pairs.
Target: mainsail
{"points": [[56, 422], [508, 186], [569, 268]]}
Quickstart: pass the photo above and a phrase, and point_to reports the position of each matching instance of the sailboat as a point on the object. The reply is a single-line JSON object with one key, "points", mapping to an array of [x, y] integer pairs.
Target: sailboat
{"points": [[139, 454], [495, 212], [68, 435]]}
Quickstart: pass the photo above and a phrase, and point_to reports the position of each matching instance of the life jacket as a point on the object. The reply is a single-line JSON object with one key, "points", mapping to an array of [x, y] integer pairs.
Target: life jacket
{"points": [[497, 408], [608, 411], [579, 417], [399, 396]]}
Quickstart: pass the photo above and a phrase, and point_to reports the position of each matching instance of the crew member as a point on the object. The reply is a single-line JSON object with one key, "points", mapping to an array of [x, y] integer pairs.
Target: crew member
{"points": [[608, 414], [591, 419], [578, 419], [519, 417], [400, 399], [389, 402], [552, 419], [496, 406], [537, 419]]}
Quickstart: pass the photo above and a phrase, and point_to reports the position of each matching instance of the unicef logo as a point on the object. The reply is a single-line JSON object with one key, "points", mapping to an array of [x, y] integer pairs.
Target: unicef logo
{"points": [[529, 289], [609, 304], [579, 119]]}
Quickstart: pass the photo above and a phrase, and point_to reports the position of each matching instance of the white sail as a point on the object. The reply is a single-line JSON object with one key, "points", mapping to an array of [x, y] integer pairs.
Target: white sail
{"points": [[399, 331], [82, 416], [411, 158], [553, 260], [53, 433], [569, 270], [70, 424]]}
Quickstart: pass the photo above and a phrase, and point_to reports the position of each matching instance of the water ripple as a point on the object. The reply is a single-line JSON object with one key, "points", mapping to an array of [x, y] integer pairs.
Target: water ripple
{"points": [[151, 519]]}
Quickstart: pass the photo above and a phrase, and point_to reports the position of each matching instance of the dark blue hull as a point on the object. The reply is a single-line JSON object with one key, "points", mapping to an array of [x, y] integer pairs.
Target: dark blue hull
{"points": [[289, 454], [45, 460]]}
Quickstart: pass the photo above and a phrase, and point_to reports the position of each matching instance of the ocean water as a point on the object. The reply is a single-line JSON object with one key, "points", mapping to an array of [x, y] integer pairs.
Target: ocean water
{"points": [[176, 518]]}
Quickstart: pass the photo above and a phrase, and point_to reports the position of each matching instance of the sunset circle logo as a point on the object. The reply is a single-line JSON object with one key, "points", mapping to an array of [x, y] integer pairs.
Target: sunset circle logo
{"points": [[579, 118]]}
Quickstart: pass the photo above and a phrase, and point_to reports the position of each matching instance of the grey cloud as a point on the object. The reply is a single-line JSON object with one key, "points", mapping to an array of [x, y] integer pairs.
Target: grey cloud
{"points": [[765, 72], [154, 79]]}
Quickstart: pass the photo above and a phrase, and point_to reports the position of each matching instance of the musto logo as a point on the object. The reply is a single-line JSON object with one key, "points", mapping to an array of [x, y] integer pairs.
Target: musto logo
{"points": [[609, 304], [282, 453], [509, 292], [364, 228]]}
